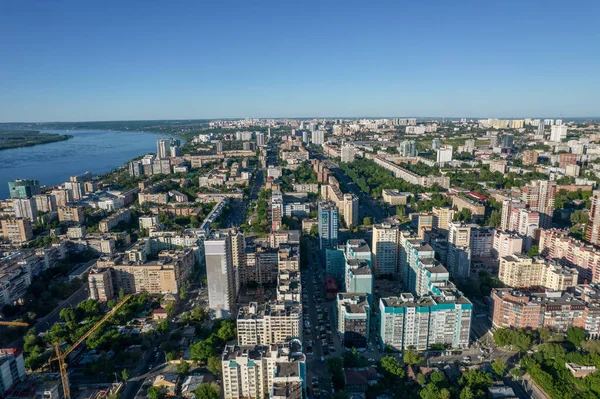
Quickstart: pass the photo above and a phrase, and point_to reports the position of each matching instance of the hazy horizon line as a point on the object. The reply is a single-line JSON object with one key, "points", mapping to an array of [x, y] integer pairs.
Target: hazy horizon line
{"points": [[301, 117]]}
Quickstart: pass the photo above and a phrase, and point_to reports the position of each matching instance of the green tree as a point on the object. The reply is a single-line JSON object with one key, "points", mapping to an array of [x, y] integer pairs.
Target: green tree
{"points": [[183, 368], [579, 217], [227, 331], [499, 367], [533, 251], [198, 313], [207, 391], [314, 230], [467, 393], [183, 293], [412, 357], [575, 336], [170, 309], [125, 375], [367, 220], [214, 365], [494, 220], [350, 358], [163, 326], [154, 393], [592, 346], [202, 350], [432, 391], [437, 378], [477, 380], [391, 366], [401, 211], [544, 334], [502, 336]]}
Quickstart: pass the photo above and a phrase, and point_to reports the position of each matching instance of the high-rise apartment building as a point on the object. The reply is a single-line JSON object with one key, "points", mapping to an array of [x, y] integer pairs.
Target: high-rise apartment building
{"points": [[424, 272], [220, 274], [238, 255], [517, 309], [133, 273], [592, 231], [444, 318], [507, 207], [260, 139], [25, 208], [253, 372], [540, 130], [318, 137], [45, 203], [100, 284], [521, 271], [358, 277], [442, 218], [539, 196], [557, 244], [408, 148], [506, 243], [530, 157], [71, 214], [347, 153], [337, 259], [353, 313], [163, 148], [17, 231], [482, 242], [328, 225], [23, 188], [567, 159], [444, 155], [12, 369], [270, 323], [350, 208], [458, 258], [386, 247], [558, 133]]}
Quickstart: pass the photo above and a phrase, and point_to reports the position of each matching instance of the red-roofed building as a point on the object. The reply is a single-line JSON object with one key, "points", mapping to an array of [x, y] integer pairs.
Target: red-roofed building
{"points": [[478, 196], [159, 314], [331, 288]]}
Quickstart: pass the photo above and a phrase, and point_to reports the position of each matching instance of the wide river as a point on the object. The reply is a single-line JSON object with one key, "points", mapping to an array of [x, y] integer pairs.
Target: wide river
{"points": [[97, 151]]}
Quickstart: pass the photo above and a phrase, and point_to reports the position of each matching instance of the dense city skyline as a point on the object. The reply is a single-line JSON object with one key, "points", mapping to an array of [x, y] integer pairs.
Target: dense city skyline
{"points": [[71, 61]]}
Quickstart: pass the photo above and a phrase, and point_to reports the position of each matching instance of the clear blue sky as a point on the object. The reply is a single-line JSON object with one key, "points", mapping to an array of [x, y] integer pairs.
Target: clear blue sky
{"points": [[117, 60]]}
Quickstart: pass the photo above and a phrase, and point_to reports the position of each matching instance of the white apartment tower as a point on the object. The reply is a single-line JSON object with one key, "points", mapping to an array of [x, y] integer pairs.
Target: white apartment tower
{"points": [[386, 247], [220, 274]]}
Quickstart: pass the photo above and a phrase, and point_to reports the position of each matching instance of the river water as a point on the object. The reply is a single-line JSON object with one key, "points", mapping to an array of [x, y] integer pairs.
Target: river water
{"points": [[97, 151]]}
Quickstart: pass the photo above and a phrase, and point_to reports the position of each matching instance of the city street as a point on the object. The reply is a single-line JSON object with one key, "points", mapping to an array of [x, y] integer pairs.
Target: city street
{"points": [[368, 206]]}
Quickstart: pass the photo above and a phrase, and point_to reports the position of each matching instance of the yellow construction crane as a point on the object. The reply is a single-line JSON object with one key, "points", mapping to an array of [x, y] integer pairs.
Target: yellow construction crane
{"points": [[13, 323], [61, 356]]}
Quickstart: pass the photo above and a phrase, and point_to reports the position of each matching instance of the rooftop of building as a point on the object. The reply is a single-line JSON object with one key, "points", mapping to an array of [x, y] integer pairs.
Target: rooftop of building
{"points": [[292, 350], [288, 389], [364, 270], [274, 308], [533, 298]]}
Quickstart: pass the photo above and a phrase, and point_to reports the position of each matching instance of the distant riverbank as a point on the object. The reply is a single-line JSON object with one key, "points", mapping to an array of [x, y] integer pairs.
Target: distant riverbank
{"points": [[28, 138], [96, 151]]}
